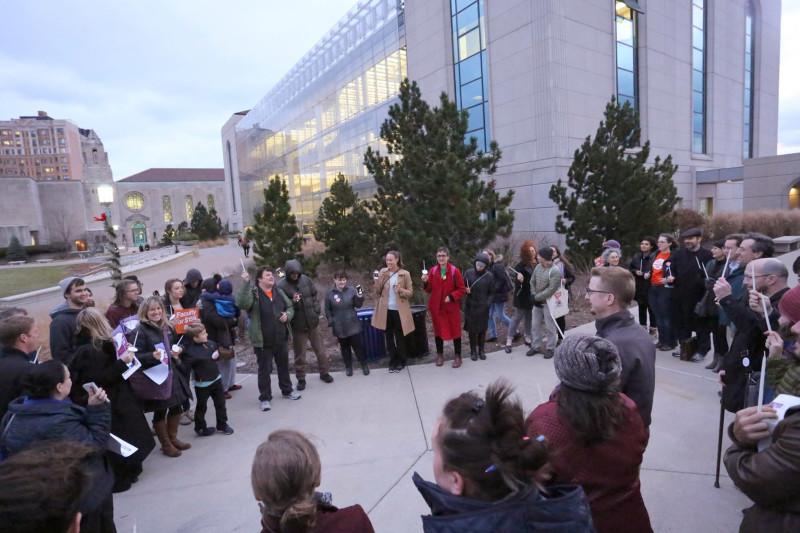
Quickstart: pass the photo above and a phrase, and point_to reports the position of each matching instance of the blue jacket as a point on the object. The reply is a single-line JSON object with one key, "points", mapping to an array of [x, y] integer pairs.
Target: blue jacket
{"points": [[563, 508]]}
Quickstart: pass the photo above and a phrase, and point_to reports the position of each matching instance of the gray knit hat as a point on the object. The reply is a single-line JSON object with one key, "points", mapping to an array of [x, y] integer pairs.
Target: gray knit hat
{"points": [[587, 363], [65, 283]]}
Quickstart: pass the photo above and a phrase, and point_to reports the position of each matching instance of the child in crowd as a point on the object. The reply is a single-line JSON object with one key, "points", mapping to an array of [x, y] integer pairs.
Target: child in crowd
{"points": [[225, 305], [200, 356], [340, 310]]}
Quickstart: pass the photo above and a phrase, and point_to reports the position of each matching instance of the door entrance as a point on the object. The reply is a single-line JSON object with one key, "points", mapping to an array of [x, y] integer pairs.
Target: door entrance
{"points": [[139, 234]]}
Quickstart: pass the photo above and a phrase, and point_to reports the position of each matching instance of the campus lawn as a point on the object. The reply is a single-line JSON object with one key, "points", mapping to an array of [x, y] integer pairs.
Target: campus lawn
{"points": [[23, 279]]}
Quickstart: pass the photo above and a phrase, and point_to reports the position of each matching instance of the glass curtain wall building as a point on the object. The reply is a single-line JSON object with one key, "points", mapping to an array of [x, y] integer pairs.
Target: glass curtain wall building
{"points": [[698, 77], [627, 54], [319, 119]]}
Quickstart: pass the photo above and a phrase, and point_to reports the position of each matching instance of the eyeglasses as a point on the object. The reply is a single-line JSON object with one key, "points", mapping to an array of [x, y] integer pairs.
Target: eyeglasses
{"points": [[589, 290]]}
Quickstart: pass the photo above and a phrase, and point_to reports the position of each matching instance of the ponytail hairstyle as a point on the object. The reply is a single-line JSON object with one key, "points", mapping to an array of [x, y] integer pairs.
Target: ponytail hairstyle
{"points": [[41, 380], [286, 470], [485, 440]]}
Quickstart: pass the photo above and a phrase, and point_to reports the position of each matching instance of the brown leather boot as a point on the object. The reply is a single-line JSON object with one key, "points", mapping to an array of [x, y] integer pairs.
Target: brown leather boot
{"points": [[457, 361], [439, 359], [172, 431], [167, 448]]}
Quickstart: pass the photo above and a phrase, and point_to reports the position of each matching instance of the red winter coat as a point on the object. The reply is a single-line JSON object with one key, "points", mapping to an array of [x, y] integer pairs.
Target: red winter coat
{"points": [[446, 316], [608, 471], [351, 519]]}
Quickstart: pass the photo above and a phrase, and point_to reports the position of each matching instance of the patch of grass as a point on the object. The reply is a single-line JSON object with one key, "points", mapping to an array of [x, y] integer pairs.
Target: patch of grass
{"points": [[24, 279]]}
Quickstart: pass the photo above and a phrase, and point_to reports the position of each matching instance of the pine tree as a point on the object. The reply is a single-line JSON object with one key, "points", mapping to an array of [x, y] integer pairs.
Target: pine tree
{"points": [[343, 225], [611, 191], [169, 235], [205, 224], [431, 190], [113, 262], [15, 251], [275, 234]]}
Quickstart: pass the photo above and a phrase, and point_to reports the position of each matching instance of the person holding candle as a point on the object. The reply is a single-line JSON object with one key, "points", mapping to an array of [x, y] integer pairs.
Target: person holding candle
{"points": [[445, 285], [523, 301], [719, 333], [393, 290], [477, 306], [640, 266], [660, 296], [769, 276]]}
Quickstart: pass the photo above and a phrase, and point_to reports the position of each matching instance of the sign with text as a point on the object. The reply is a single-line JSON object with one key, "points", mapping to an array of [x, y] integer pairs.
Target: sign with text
{"points": [[183, 317]]}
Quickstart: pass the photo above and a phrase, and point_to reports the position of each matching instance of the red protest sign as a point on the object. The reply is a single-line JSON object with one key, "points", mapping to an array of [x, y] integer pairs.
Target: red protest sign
{"points": [[183, 317]]}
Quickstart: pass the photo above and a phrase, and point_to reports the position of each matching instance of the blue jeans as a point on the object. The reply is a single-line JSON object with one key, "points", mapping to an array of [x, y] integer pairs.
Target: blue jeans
{"points": [[496, 311], [660, 300]]}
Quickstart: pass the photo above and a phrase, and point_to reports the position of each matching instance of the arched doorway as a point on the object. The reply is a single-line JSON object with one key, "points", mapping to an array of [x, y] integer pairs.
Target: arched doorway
{"points": [[139, 231], [794, 196]]}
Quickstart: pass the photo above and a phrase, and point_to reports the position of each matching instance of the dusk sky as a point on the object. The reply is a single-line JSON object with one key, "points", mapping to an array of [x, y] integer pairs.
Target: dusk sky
{"points": [[157, 80]]}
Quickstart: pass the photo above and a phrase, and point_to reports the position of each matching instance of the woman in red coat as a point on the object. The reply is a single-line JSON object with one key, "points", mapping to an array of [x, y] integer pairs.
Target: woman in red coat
{"points": [[595, 435], [446, 288]]}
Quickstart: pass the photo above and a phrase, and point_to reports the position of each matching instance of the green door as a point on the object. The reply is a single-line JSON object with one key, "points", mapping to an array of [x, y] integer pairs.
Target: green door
{"points": [[139, 234]]}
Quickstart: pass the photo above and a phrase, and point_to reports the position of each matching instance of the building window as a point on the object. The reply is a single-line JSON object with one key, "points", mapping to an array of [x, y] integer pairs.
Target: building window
{"points": [[166, 205], [706, 206], [230, 166], [189, 206], [134, 201], [749, 82], [698, 77], [210, 201], [470, 66], [627, 55]]}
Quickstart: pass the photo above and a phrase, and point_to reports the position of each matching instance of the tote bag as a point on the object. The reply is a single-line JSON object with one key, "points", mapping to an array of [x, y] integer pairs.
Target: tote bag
{"points": [[558, 303]]}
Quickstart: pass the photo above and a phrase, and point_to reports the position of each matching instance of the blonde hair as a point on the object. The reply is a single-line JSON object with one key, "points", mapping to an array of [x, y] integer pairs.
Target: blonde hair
{"points": [[93, 322], [618, 281], [145, 307], [286, 470]]}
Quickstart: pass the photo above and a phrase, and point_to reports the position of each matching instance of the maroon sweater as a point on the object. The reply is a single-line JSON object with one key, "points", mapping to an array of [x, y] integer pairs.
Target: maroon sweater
{"points": [[115, 313], [351, 519], [608, 471]]}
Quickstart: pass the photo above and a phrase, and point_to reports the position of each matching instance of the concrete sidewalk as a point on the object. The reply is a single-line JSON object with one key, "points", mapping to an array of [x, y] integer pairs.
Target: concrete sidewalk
{"points": [[374, 431]]}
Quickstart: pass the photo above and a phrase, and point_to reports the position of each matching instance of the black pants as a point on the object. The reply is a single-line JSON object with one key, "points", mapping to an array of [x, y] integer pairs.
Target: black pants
{"points": [[645, 310], [216, 392], [476, 342], [396, 344], [562, 324], [349, 345], [161, 414], [720, 334], [264, 357], [440, 346], [100, 520], [685, 322]]}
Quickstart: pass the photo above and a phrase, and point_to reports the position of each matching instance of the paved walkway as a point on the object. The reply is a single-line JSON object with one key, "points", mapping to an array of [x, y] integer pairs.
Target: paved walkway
{"points": [[374, 431]]}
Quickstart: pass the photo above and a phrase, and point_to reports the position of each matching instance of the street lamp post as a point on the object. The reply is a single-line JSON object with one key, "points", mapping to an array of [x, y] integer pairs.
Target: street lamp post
{"points": [[105, 195]]}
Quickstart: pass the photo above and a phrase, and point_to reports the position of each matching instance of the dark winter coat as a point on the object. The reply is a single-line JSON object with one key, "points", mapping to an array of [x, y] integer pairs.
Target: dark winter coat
{"points": [[735, 279], [14, 364], [340, 310], [747, 340], [149, 335], [218, 327], [643, 263], [562, 508], [445, 315], [638, 356], [479, 300], [522, 291], [307, 310], [247, 300], [770, 478], [99, 364], [608, 471], [687, 267], [192, 294], [62, 332], [197, 359], [329, 519], [501, 280], [115, 313]]}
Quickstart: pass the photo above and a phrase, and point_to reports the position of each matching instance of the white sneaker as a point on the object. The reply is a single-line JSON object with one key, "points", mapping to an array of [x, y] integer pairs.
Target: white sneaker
{"points": [[292, 396], [265, 405]]}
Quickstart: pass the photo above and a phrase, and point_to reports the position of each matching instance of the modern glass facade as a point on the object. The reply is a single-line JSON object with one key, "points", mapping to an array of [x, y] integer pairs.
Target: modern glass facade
{"points": [[698, 77], [470, 66], [319, 119], [627, 54], [749, 77]]}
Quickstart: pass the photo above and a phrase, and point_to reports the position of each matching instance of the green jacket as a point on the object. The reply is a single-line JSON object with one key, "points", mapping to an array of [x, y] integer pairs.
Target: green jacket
{"points": [[247, 300], [544, 283]]}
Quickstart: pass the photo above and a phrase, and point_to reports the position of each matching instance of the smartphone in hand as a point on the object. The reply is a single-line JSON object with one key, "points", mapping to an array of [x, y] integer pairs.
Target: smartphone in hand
{"points": [[90, 388]]}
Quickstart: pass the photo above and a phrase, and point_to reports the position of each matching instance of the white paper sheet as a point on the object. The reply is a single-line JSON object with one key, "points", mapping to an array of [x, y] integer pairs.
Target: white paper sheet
{"points": [[134, 365], [120, 447], [782, 403], [158, 374]]}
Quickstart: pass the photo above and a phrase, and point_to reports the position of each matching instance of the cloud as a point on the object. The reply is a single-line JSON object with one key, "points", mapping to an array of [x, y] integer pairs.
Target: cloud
{"points": [[789, 96]]}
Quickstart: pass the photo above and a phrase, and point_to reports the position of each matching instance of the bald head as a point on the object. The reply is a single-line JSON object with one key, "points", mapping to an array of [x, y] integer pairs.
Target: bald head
{"points": [[771, 275]]}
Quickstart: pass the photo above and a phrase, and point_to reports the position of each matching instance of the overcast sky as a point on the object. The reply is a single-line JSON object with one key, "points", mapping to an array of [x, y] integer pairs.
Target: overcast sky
{"points": [[157, 80]]}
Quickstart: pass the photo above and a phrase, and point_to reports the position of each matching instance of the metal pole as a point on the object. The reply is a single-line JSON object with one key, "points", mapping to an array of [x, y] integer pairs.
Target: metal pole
{"points": [[719, 440]]}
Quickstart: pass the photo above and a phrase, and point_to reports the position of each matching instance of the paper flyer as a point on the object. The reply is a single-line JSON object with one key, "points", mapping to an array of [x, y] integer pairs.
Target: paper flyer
{"points": [[130, 323], [782, 403], [120, 341], [134, 365], [120, 447]]}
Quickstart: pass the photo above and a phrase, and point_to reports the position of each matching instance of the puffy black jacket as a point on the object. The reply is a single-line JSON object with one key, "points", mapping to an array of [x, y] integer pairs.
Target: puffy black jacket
{"points": [[502, 282], [340, 310], [522, 293], [563, 508], [307, 310]]}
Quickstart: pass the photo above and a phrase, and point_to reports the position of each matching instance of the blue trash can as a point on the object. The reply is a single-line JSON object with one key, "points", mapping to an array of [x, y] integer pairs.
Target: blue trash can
{"points": [[372, 339]]}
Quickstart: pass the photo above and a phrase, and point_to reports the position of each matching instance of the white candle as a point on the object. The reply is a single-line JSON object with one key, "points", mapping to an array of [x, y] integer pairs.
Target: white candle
{"points": [[242, 262], [761, 381], [727, 260]]}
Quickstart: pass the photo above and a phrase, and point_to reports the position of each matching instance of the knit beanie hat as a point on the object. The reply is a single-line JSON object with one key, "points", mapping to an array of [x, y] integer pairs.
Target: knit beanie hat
{"points": [[64, 284], [611, 243], [789, 304], [225, 287], [587, 363]]}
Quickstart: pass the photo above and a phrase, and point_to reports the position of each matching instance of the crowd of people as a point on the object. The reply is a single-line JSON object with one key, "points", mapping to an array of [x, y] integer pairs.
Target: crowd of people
{"points": [[572, 464]]}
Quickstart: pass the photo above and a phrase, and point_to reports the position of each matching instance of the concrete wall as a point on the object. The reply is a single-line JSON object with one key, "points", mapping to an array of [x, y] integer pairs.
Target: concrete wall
{"points": [[767, 181], [64, 211], [20, 211], [233, 194], [552, 70]]}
